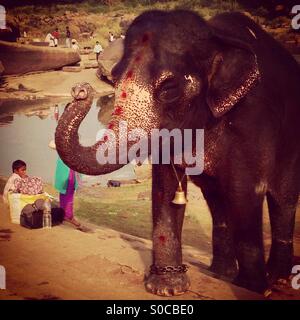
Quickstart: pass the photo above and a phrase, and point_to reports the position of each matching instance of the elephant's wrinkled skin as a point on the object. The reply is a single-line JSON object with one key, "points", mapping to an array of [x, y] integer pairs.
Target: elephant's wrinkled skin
{"points": [[232, 79]]}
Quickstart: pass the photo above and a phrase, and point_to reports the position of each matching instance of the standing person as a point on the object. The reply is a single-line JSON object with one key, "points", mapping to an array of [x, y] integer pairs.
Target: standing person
{"points": [[55, 35], [66, 182], [68, 37], [97, 49]]}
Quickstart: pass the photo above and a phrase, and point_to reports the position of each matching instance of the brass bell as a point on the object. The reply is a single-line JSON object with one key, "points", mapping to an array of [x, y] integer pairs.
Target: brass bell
{"points": [[179, 196]]}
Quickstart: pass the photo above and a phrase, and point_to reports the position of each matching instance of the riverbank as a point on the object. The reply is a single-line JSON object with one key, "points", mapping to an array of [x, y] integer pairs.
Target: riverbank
{"points": [[104, 264], [110, 261], [52, 84]]}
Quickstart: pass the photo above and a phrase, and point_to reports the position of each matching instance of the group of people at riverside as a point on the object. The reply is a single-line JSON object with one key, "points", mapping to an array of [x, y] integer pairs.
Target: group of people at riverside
{"points": [[53, 39]]}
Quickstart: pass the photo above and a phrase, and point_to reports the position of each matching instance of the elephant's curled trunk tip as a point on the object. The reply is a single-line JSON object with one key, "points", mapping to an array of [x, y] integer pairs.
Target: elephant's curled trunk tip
{"points": [[82, 91]]}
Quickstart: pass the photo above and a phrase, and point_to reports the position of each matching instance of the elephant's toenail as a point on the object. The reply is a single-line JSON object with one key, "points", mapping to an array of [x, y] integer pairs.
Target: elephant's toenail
{"points": [[267, 293], [149, 286], [282, 281]]}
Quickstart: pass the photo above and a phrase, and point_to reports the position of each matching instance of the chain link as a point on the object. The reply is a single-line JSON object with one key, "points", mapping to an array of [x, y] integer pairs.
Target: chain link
{"points": [[168, 269]]}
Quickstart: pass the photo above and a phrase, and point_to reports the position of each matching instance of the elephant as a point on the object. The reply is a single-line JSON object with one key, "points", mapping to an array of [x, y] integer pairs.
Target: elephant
{"points": [[229, 77]]}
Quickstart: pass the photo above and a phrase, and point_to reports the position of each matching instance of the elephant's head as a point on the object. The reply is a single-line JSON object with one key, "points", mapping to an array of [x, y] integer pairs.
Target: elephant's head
{"points": [[177, 71]]}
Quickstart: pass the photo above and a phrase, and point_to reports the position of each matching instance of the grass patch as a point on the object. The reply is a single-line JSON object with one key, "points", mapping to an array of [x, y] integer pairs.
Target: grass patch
{"points": [[120, 209], [125, 216]]}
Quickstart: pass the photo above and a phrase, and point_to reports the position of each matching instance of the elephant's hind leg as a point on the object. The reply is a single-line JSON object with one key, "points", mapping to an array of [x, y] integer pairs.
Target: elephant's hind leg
{"points": [[282, 198], [244, 209], [282, 212], [224, 260]]}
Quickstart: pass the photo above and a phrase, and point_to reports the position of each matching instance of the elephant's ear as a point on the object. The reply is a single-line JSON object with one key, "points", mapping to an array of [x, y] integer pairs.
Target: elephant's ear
{"points": [[233, 72]]}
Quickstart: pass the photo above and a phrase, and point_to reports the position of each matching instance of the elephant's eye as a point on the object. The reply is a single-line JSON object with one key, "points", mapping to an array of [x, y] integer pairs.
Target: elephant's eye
{"points": [[169, 91]]}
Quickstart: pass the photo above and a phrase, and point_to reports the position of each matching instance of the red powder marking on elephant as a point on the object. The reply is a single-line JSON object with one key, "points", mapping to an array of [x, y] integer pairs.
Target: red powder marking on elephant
{"points": [[123, 95], [117, 111], [105, 138], [110, 125], [129, 74], [162, 239], [145, 38]]}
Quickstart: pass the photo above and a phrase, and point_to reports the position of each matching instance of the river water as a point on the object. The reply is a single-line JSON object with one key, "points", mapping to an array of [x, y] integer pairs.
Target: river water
{"points": [[26, 128]]}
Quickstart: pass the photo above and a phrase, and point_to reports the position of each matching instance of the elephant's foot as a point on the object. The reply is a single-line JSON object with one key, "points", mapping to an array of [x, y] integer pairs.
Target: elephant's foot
{"points": [[257, 284], [280, 263], [224, 267], [167, 284], [279, 274]]}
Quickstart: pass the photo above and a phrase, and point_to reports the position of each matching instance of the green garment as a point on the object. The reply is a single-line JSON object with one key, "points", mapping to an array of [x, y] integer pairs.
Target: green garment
{"points": [[61, 177]]}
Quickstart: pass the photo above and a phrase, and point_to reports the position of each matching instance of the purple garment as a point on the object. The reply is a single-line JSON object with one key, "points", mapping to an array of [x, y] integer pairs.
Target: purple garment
{"points": [[66, 200]]}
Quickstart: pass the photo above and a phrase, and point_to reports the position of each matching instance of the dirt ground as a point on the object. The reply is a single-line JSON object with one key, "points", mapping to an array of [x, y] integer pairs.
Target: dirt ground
{"points": [[64, 263]]}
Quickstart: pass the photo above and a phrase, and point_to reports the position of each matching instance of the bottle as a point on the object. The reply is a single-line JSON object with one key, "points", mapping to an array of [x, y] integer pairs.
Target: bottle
{"points": [[56, 113], [47, 218]]}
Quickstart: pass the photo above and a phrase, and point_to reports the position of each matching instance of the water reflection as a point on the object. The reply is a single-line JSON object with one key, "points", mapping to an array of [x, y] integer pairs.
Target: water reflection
{"points": [[106, 105], [27, 128], [6, 120]]}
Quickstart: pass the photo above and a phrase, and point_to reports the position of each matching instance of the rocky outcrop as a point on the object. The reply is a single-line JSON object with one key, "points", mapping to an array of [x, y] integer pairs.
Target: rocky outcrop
{"points": [[109, 58], [19, 59]]}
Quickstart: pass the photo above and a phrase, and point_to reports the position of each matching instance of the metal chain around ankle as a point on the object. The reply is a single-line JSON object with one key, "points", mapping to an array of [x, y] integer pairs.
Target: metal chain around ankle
{"points": [[168, 269]]}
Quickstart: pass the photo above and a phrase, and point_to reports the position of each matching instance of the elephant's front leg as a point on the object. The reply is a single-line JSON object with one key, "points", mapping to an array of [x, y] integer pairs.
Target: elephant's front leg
{"points": [[167, 274]]}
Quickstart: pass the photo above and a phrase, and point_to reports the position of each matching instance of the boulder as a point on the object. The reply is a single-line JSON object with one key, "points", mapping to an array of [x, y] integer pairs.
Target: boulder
{"points": [[18, 58], [71, 69], [106, 107], [90, 64], [39, 43], [92, 56], [109, 58]]}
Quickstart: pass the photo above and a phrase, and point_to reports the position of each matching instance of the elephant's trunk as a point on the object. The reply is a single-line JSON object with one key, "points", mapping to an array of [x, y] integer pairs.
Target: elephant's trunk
{"points": [[77, 157]]}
